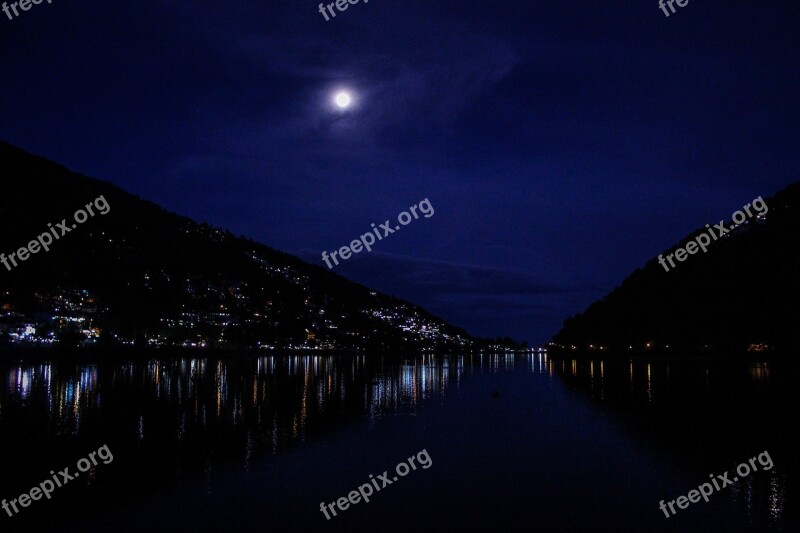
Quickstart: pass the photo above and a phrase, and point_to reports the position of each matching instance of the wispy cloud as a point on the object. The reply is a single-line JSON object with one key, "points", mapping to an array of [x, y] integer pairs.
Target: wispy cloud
{"points": [[465, 295]]}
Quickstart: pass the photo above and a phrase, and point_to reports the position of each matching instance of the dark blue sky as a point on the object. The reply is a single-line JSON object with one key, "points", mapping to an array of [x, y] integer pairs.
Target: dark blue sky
{"points": [[562, 144]]}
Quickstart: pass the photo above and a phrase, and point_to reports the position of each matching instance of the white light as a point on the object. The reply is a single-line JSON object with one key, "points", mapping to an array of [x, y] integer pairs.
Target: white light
{"points": [[342, 100]]}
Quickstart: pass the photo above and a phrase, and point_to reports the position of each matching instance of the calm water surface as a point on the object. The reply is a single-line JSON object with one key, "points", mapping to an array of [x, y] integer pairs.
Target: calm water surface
{"points": [[517, 443]]}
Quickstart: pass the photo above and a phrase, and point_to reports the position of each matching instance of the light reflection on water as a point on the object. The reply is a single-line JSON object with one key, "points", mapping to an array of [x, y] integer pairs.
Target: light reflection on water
{"points": [[232, 391], [208, 408], [302, 386], [719, 409], [318, 384]]}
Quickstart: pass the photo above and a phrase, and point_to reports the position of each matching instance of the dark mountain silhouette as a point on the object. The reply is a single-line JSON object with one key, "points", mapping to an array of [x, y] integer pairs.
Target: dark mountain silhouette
{"points": [[142, 276], [742, 293]]}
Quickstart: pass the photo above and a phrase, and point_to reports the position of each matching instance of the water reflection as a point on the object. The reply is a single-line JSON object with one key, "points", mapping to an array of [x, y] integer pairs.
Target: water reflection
{"points": [[173, 419], [181, 417], [760, 372], [277, 400], [282, 397], [647, 379], [707, 412]]}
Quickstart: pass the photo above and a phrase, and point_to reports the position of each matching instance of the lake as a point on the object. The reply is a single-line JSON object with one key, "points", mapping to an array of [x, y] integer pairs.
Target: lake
{"points": [[514, 442]]}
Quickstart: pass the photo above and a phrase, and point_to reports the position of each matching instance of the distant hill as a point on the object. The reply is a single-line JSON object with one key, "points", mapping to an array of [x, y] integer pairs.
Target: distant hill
{"points": [[142, 276], [744, 292]]}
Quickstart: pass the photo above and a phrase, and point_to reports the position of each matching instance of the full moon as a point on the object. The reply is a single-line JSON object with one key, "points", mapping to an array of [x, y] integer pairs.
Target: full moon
{"points": [[342, 100]]}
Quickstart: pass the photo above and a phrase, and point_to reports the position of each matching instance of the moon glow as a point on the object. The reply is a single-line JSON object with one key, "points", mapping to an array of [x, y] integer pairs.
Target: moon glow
{"points": [[342, 100]]}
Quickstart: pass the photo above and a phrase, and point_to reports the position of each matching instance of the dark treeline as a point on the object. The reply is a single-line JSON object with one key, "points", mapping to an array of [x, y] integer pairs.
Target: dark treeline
{"points": [[743, 294]]}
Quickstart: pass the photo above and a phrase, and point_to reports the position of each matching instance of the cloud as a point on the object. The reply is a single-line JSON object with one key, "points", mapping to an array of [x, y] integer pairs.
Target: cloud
{"points": [[443, 277], [473, 297]]}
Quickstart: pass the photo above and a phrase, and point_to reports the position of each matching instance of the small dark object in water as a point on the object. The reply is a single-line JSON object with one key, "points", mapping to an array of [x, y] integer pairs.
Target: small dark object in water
{"points": [[495, 394]]}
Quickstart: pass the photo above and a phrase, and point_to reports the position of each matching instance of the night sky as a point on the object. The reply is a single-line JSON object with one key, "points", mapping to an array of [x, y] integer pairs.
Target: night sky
{"points": [[562, 144]]}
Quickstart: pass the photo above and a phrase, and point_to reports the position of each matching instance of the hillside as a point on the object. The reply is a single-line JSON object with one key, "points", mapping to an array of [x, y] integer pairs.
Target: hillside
{"points": [[742, 294], [139, 275]]}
